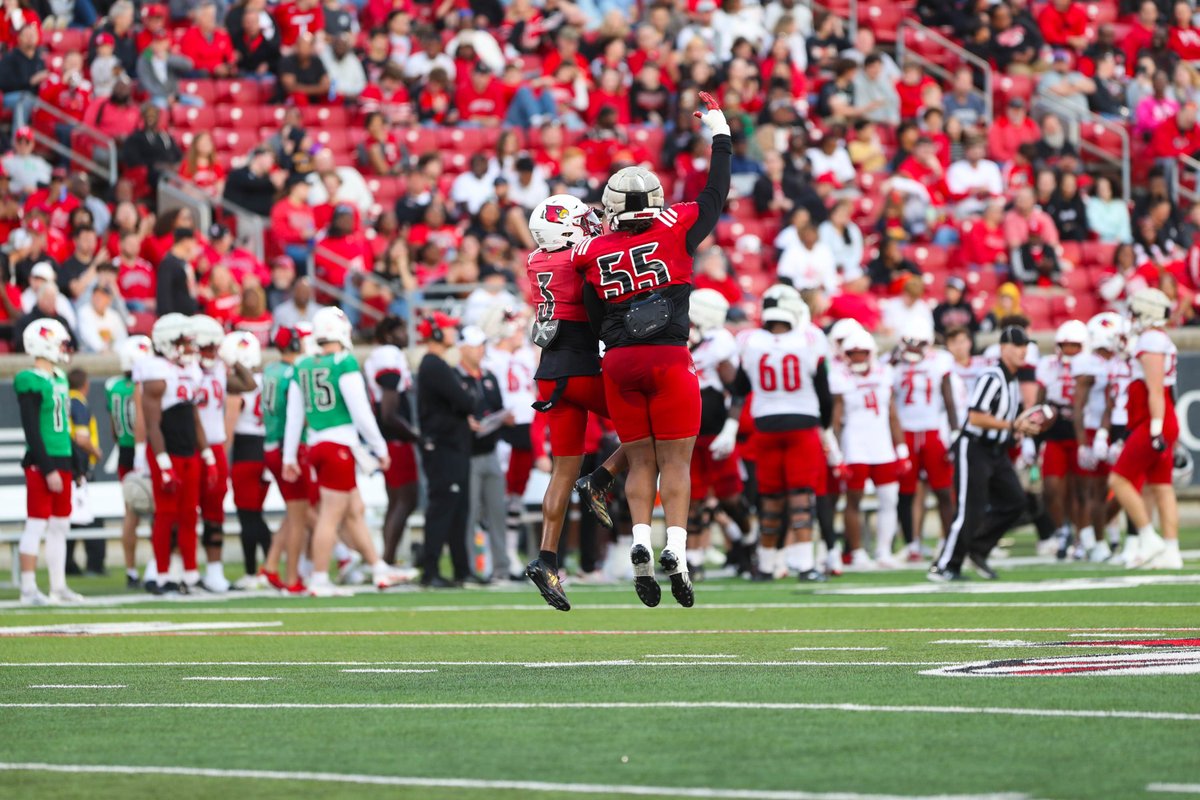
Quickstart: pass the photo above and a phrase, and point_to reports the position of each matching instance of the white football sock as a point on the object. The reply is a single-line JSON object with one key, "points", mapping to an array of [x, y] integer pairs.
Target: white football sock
{"points": [[804, 556], [1172, 545], [56, 552], [214, 570], [888, 496], [641, 535], [191, 576], [1147, 530], [676, 539], [732, 532], [766, 559], [340, 551], [695, 556], [1087, 538], [31, 537], [28, 582], [1114, 534], [318, 579]]}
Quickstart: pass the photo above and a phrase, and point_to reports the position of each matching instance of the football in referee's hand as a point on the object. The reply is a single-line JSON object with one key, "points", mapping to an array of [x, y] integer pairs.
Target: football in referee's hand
{"points": [[1036, 419]]}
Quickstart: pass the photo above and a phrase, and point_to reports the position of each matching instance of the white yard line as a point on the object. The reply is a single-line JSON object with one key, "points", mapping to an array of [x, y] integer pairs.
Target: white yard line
{"points": [[388, 670], [228, 678], [483, 785], [845, 649], [691, 655], [1175, 788], [76, 686], [120, 628], [1050, 713], [619, 662]]}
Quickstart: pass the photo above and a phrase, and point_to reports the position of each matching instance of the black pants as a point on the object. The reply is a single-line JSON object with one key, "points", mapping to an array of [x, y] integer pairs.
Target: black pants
{"points": [[990, 501], [448, 474]]}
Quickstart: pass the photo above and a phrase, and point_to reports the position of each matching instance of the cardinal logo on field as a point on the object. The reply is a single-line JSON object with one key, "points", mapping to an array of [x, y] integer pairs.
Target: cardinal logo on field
{"points": [[557, 214], [1150, 656]]}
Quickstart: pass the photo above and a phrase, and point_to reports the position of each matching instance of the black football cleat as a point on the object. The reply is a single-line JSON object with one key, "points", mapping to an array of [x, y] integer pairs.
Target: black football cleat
{"points": [[982, 568], [594, 499], [648, 590], [681, 582], [938, 575], [812, 576], [547, 582], [758, 576]]}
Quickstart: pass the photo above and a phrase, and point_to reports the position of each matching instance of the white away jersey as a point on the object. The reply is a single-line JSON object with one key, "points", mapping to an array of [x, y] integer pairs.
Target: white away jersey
{"points": [[969, 373], [1091, 365], [866, 413], [716, 347], [210, 400], [918, 388], [781, 368], [1154, 340], [386, 359], [1054, 375], [515, 373], [1120, 375], [250, 420], [182, 382]]}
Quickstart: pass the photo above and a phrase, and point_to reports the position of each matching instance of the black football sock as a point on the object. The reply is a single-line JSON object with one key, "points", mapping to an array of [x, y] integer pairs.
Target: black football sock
{"points": [[905, 510], [602, 478], [549, 558]]}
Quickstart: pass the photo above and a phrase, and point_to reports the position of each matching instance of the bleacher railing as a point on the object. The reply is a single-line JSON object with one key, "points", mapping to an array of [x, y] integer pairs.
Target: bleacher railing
{"points": [[851, 21], [1179, 189], [904, 53], [344, 299], [1076, 122], [175, 192], [106, 171]]}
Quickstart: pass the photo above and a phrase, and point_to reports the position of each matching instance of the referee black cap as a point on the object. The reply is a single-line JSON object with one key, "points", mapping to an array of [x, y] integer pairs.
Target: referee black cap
{"points": [[1014, 335]]}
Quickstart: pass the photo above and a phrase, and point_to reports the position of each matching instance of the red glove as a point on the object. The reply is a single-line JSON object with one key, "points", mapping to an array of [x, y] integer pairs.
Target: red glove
{"points": [[841, 472], [167, 474], [211, 476], [904, 460]]}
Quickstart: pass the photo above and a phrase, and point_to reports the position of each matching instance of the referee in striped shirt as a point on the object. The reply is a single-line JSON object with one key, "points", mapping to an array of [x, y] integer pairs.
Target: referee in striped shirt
{"points": [[990, 497]]}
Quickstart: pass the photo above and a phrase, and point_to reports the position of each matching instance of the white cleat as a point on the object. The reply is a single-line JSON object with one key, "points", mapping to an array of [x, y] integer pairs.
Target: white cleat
{"points": [[250, 583], [1149, 547], [1100, 553], [860, 560], [347, 567], [1047, 547], [327, 590], [394, 576], [1167, 559], [833, 562], [65, 596], [34, 598], [886, 561], [217, 584]]}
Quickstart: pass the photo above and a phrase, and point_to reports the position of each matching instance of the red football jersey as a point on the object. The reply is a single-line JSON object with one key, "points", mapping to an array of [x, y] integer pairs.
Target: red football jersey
{"points": [[620, 265], [555, 286]]}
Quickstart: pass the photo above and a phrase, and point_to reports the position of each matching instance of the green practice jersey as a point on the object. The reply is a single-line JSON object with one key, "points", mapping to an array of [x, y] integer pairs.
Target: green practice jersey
{"points": [[324, 406], [118, 397], [53, 419], [277, 377]]}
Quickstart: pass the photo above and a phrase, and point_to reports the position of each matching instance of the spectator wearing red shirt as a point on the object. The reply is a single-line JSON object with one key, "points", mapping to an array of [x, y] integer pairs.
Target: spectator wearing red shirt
{"points": [[13, 18], [297, 18], [712, 272], [480, 100], [222, 249], [154, 21], [1140, 33], [252, 315], [201, 167], [383, 151], [1184, 38], [116, 116], [911, 85], [856, 302], [69, 93], [435, 104], [1064, 24], [220, 298], [984, 245], [135, 275], [611, 93], [1011, 131], [207, 45], [566, 50], [389, 96], [54, 201], [341, 255], [1176, 137], [292, 222]]}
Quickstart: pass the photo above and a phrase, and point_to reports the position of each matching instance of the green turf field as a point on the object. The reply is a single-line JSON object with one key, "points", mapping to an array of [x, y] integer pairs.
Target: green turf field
{"points": [[761, 691]]}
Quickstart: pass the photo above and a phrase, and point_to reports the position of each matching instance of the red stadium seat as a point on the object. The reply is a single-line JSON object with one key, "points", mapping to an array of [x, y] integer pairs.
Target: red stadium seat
{"points": [[1072, 252], [325, 116], [1078, 281], [193, 118], [206, 90], [884, 20], [929, 257], [69, 40], [468, 140], [1038, 308], [421, 140], [246, 92], [336, 139], [230, 115], [1098, 254]]}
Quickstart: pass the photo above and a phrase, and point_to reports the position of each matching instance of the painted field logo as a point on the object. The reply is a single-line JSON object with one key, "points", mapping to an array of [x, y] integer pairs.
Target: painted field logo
{"points": [[1155, 657]]}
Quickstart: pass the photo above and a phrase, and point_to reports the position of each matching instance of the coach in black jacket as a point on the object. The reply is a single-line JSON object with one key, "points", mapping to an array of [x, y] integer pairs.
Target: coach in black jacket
{"points": [[444, 409]]}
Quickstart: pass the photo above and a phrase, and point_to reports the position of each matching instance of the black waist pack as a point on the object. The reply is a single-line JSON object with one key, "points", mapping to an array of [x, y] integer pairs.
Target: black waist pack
{"points": [[647, 317]]}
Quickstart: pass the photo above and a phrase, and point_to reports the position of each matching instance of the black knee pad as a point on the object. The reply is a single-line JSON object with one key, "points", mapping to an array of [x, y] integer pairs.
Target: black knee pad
{"points": [[738, 509], [213, 535], [699, 518], [801, 508], [770, 517]]}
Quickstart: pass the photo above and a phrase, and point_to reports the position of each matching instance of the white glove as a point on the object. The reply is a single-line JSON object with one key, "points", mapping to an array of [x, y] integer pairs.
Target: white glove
{"points": [[1114, 451], [713, 118], [1100, 447], [140, 465], [724, 442], [1028, 455], [1087, 457], [833, 452]]}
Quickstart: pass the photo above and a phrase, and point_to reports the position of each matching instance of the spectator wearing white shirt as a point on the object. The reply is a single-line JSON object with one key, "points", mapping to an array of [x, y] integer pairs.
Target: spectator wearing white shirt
{"points": [[476, 186], [527, 185], [26, 170], [41, 274], [844, 240], [346, 74], [429, 58], [899, 312], [975, 179], [876, 92], [830, 157], [789, 237], [704, 27], [101, 329], [809, 264], [348, 184], [738, 21]]}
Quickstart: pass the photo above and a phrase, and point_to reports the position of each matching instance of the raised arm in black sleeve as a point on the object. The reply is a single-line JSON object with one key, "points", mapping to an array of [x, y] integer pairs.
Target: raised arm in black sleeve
{"points": [[31, 406], [712, 197]]}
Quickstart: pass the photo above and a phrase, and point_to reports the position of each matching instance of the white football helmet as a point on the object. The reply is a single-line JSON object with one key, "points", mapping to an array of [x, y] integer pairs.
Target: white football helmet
{"points": [[1182, 466], [1107, 331], [308, 340], [134, 349], [1072, 331], [859, 349], [915, 338], [331, 325], [1150, 308], [48, 339], [242, 348], [840, 330], [562, 220], [173, 336], [708, 310], [632, 194], [208, 335], [782, 303]]}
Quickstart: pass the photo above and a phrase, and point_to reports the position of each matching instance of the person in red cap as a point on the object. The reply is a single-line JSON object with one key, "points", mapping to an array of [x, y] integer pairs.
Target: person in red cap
{"points": [[444, 409], [154, 22]]}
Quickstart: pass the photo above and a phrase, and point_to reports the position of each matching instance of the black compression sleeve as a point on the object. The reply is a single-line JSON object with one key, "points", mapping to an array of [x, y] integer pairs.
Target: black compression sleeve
{"points": [[31, 406], [741, 388], [712, 197], [594, 307], [824, 397]]}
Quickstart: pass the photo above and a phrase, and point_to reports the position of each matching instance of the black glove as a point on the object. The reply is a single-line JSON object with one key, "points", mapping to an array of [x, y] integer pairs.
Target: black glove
{"points": [[1159, 443]]}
